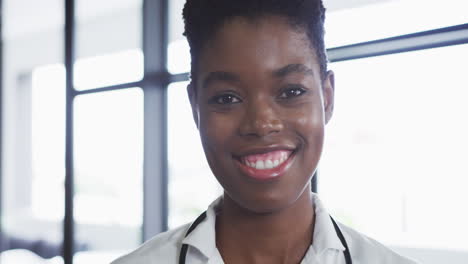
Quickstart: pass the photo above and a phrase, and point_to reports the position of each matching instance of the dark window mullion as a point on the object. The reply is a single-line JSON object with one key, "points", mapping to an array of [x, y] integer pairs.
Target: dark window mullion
{"points": [[181, 77], [68, 233], [1, 119], [155, 41], [442, 37], [110, 88]]}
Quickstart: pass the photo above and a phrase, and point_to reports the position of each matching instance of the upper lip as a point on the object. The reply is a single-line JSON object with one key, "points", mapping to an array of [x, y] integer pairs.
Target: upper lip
{"points": [[252, 150]]}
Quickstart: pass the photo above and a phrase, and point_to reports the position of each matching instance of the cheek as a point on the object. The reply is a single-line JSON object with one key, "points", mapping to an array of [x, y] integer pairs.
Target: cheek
{"points": [[310, 120], [216, 131], [310, 125]]}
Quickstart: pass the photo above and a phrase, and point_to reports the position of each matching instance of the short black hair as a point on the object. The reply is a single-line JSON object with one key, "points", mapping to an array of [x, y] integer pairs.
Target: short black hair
{"points": [[203, 18]]}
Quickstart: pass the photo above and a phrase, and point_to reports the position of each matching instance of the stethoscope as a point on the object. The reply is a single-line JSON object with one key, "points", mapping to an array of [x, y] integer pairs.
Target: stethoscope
{"points": [[183, 250]]}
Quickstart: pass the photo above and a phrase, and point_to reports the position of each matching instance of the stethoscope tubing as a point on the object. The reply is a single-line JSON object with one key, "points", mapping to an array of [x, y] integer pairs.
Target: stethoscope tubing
{"points": [[183, 250]]}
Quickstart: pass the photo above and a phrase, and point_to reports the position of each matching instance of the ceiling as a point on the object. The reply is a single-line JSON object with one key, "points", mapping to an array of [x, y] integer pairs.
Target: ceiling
{"points": [[24, 17]]}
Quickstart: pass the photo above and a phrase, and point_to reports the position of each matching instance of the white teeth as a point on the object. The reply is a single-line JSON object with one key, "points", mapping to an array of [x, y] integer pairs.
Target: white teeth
{"points": [[260, 165], [283, 157], [267, 164]]}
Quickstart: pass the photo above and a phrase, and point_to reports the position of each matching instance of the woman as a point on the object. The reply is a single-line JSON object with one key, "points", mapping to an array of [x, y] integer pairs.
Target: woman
{"points": [[261, 95]]}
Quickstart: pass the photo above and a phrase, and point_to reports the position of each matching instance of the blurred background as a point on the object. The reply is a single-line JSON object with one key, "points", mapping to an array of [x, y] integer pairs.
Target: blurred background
{"points": [[118, 144]]}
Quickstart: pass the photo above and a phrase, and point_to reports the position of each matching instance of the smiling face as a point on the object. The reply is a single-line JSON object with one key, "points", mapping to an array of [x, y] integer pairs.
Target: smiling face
{"points": [[261, 105]]}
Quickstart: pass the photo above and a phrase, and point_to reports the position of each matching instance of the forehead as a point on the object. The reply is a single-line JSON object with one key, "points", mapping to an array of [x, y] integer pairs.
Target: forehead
{"points": [[262, 45]]}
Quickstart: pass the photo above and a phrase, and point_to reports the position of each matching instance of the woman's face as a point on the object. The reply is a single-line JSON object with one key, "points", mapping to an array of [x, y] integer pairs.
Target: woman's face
{"points": [[261, 107]]}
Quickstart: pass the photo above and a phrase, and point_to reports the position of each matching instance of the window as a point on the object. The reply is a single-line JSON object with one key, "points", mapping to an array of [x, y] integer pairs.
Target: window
{"points": [[48, 142], [393, 165], [108, 159], [371, 20], [178, 49], [108, 27], [32, 130], [109, 169], [110, 69]]}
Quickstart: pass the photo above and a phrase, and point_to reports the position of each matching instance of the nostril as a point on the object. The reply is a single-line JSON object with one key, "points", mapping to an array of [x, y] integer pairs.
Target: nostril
{"points": [[260, 119], [260, 127]]}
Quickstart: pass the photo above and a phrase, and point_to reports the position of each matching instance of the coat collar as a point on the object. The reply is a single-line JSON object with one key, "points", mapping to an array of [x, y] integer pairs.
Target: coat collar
{"points": [[203, 237]]}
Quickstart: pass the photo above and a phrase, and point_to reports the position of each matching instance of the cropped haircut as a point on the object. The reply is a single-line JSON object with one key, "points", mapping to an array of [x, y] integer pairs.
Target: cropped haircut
{"points": [[204, 18]]}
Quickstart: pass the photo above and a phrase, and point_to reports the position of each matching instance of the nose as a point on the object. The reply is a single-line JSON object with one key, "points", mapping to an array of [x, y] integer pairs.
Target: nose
{"points": [[260, 120]]}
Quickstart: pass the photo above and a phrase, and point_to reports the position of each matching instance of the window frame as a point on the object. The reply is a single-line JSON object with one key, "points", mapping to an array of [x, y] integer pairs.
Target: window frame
{"points": [[1, 120]]}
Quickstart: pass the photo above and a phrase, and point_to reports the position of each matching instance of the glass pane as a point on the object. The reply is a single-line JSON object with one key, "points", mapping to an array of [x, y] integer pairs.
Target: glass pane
{"points": [[394, 165], [114, 68], [48, 141], [178, 57], [33, 130], [109, 32], [108, 173], [192, 186], [348, 22]]}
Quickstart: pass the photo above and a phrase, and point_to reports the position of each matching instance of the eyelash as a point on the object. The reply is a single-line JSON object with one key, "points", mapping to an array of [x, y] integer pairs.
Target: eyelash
{"points": [[299, 89], [219, 99], [233, 99]]}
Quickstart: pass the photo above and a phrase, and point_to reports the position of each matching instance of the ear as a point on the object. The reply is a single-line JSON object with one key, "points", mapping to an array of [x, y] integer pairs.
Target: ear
{"points": [[329, 95], [193, 102]]}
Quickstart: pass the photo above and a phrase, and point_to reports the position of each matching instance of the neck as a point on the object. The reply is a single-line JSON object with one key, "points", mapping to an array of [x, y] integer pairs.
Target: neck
{"points": [[243, 236]]}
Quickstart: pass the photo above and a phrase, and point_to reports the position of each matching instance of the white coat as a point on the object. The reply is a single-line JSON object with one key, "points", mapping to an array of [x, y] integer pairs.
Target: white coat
{"points": [[325, 249]]}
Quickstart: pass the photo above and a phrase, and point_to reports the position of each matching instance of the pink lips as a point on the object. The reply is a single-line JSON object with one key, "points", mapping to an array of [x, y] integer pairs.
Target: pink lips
{"points": [[278, 162]]}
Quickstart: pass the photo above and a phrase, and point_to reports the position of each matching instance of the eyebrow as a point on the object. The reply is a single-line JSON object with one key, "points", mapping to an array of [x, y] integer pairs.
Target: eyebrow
{"points": [[220, 76], [233, 78], [293, 68]]}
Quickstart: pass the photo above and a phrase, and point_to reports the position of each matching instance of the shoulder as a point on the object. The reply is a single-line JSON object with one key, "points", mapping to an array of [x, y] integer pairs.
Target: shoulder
{"points": [[367, 250], [164, 246]]}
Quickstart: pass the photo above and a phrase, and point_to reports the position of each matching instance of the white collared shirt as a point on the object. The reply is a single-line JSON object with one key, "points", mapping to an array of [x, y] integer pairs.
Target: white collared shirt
{"points": [[325, 249]]}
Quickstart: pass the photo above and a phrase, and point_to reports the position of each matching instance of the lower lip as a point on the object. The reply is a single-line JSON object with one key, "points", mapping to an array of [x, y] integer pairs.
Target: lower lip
{"points": [[268, 174]]}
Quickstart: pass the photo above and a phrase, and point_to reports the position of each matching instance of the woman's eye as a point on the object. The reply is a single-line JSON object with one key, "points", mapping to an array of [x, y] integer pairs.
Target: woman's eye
{"points": [[226, 99], [292, 92]]}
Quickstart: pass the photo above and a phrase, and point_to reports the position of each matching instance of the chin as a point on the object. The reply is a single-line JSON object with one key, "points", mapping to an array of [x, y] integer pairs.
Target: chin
{"points": [[265, 202]]}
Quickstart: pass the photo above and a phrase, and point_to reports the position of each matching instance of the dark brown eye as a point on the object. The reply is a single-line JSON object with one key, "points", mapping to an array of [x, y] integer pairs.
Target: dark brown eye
{"points": [[226, 99], [292, 92]]}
